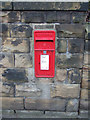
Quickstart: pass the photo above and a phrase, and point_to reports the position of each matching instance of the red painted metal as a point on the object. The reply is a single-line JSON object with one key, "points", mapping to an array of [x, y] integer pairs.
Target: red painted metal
{"points": [[44, 40]]}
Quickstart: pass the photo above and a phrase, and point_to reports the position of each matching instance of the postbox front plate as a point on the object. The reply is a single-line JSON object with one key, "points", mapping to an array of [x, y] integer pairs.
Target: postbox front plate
{"points": [[44, 53]]}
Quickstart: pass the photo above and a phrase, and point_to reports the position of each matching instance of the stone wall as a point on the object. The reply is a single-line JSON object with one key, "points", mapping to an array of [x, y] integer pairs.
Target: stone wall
{"points": [[65, 95]]}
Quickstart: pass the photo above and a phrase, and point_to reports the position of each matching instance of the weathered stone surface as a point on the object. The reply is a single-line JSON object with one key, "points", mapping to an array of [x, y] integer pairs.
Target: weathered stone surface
{"points": [[4, 30], [70, 30], [83, 114], [44, 26], [10, 16], [84, 94], [85, 78], [72, 105], [75, 76], [15, 45], [45, 104], [69, 60], [61, 75], [51, 17], [33, 16], [84, 104], [50, 6], [6, 60], [79, 17], [86, 60], [76, 45], [21, 30], [63, 17], [10, 103], [23, 60], [7, 90], [87, 44], [15, 75], [65, 91], [60, 115], [28, 90], [61, 45], [6, 6], [87, 31], [0, 44]]}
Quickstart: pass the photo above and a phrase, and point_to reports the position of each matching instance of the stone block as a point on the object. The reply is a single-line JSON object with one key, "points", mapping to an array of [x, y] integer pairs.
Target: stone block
{"points": [[45, 104], [10, 16], [28, 90], [87, 31], [50, 6], [84, 93], [33, 17], [44, 26], [61, 45], [15, 75], [85, 78], [23, 60], [72, 105], [21, 30], [63, 17], [76, 45], [6, 6], [83, 114], [86, 60], [7, 90], [51, 17], [70, 30], [11, 103], [87, 44], [69, 60], [74, 76], [4, 30], [65, 90], [0, 44], [17, 45], [79, 17], [61, 75], [6, 60], [84, 104]]}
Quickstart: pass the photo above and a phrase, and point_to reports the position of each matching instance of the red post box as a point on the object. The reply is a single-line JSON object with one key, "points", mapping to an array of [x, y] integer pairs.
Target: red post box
{"points": [[44, 53]]}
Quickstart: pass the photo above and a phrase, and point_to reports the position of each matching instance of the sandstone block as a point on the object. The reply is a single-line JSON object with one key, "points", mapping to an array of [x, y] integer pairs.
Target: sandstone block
{"points": [[75, 76], [65, 91], [10, 16], [70, 30], [0, 44], [6, 6], [4, 30], [86, 60], [6, 60], [10, 103], [21, 30], [28, 90], [15, 75], [69, 60], [84, 94], [33, 16], [85, 78], [23, 60], [15, 45], [61, 75], [75, 45], [87, 44], [79, 17], [61, 45], [84, 104], [72, 105], [7, 90], [51, 17], [44, 26], [45, 104]]}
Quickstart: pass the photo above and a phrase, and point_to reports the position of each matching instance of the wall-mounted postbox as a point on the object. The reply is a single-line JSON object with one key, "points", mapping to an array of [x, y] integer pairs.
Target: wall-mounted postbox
{"points": [[44, 53]]}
